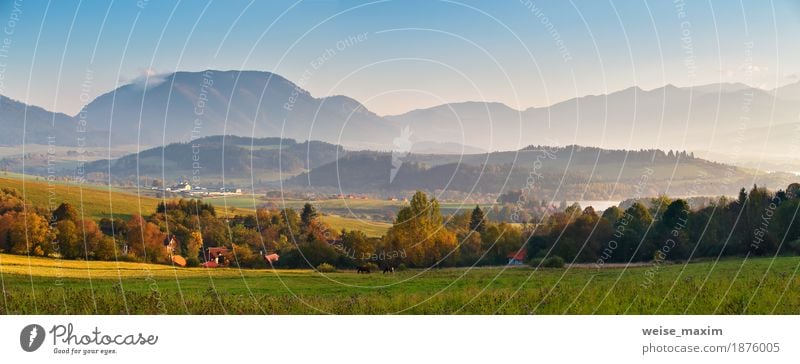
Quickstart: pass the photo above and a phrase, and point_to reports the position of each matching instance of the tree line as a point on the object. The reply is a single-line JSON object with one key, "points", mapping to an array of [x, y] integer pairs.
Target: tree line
{"points": [[758, 222]]}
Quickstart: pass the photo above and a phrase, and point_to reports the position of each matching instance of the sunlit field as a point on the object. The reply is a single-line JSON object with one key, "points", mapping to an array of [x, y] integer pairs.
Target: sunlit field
{"points": [[94, 201], [731, 286]]}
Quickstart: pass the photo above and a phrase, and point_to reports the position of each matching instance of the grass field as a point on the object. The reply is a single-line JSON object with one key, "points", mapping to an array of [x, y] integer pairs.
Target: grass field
{"points": [[95, 201], [98, 201], [735, 286], [370, 228]]}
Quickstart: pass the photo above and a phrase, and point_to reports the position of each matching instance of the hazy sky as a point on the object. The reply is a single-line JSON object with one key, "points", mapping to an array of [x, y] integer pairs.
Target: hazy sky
{"points": [[399, 55]]}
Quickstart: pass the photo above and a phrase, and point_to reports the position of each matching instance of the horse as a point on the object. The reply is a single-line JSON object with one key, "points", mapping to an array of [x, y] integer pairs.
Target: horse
{"points": [[388, 269], [363, 269]]}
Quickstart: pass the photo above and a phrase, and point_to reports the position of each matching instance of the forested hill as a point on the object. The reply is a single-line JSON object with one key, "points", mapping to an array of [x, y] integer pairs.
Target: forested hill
{"points": [[570, 172], [212, 157]]}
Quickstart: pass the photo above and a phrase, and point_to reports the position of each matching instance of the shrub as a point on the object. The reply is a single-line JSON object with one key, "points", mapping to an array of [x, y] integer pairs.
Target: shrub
{"points": [[372, 266], [551, 262], [192, 262], [795, 246], [326, 268], [401, 267]]}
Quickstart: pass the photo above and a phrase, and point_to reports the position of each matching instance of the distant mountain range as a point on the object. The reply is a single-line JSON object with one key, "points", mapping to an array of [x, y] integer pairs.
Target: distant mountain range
{"points": [[731, 119], [40, 126]]}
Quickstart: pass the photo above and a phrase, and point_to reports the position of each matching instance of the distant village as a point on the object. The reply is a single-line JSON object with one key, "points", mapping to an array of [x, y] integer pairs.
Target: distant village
{"points": [[185, 189]]}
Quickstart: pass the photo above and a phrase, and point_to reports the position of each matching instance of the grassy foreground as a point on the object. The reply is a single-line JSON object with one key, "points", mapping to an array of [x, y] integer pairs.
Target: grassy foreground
{"points": [[736, 286]]}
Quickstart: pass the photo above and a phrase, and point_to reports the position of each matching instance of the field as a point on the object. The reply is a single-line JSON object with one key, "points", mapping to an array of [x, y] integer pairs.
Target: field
{"points": [[95, 201], [367, 215], [370, 228], [735, 286], [98, 202]]}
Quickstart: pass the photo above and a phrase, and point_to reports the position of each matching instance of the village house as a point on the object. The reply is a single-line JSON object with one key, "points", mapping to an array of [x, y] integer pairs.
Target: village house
{"points": [[216, 257], [516, 258]]}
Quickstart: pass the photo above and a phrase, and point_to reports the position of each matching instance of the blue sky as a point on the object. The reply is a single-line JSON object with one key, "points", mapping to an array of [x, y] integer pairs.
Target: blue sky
{"points": [[410, 54]]}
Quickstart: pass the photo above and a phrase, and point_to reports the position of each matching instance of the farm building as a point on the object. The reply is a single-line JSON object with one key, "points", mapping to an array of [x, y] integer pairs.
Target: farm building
{"points": [[271, 258], [170, 243], [516, 258], [216, 257]]}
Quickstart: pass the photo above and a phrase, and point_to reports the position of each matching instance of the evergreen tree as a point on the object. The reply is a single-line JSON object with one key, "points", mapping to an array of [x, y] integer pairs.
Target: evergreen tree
{"points": [[476, 221], [308, 215]]}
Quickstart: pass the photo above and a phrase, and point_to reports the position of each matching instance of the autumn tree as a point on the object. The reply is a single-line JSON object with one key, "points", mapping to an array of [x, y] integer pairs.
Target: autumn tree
{"points": [[11, 200], [419, 233], [356, 245], [28, 231], [64, 212], [146, 240], [193, 245]]}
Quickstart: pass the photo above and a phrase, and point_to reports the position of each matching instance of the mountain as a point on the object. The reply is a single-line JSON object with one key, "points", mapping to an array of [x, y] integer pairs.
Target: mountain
{"points": [[40, 126], [789, 92], [721, 118], [217, 158], [730, 119], [186, 105]]}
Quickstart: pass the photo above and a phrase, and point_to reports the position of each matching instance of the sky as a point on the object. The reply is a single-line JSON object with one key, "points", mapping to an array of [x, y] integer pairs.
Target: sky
{"points": [[396, 56]]}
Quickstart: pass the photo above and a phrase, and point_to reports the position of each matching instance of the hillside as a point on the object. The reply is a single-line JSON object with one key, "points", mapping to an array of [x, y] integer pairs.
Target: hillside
{"points": [[97, 202], [569, 173], [93, 201], [210, 159]]}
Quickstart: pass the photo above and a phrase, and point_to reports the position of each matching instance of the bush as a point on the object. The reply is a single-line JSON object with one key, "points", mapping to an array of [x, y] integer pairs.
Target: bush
{"points": [[326, 268], [401, 267], [794, 246], [372, 267], [192, 262], [551, 262]]}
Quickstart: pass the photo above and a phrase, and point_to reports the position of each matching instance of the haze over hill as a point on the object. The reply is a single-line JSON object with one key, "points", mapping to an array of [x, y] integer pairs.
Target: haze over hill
{"points": [[728, 119], [217, 158], [543, 172], [568, 172]]}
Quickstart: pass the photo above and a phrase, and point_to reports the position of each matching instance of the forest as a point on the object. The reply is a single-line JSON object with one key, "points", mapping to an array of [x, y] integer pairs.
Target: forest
{"points": [[759, 222]]}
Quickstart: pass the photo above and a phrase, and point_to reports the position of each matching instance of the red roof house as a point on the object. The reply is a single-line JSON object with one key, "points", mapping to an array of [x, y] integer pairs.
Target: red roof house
{"points": [[517, 258]]}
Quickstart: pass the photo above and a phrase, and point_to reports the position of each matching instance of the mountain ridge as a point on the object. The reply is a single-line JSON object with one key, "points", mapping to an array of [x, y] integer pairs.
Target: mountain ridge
{"points": [[266, 104]]}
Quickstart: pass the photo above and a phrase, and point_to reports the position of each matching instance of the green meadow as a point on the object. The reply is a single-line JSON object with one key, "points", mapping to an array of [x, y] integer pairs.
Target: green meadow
{"points": [[731, 286]]}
